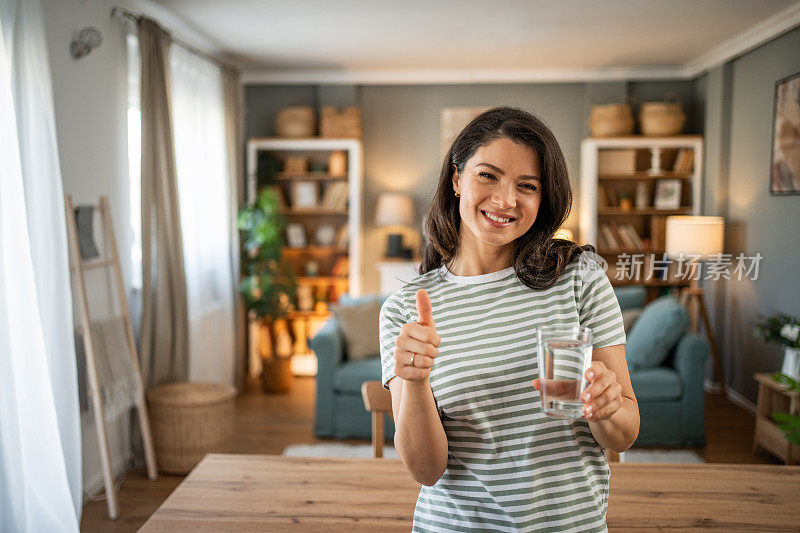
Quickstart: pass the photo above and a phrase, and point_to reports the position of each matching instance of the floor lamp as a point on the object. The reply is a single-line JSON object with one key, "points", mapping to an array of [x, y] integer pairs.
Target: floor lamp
{"points": [[698, 237]]}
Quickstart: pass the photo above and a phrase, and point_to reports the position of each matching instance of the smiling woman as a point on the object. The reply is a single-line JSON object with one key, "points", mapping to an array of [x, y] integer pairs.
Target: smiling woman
{"points": [[461, 338]]}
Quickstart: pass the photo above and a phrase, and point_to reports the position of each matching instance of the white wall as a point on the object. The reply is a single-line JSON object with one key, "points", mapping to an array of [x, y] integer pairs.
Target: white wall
{"points": [[90, 108]]}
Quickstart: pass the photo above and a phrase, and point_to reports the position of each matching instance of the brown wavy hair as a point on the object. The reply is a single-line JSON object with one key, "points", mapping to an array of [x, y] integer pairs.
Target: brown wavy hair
{"points": [[538, 258]]}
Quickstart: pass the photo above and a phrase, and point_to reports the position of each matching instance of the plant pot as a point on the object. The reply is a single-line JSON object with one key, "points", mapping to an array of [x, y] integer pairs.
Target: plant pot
{"points": [[277, 374], [791, 362]]}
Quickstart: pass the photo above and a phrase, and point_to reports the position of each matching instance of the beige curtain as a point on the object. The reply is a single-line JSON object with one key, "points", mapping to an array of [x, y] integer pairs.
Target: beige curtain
{"points": [[165, 323], [233, 136]]}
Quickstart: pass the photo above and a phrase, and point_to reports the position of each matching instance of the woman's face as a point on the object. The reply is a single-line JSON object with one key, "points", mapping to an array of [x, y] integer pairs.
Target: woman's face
{"points": [[502, 179]]}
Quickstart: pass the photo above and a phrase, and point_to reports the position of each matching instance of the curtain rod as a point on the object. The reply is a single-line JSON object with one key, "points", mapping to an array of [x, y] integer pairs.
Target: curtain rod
{"points": [[130, 15]]}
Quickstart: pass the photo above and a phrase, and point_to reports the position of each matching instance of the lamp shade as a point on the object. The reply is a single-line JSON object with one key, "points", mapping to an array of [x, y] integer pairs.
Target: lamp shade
{"points": [[394, 209], [694, 235]]}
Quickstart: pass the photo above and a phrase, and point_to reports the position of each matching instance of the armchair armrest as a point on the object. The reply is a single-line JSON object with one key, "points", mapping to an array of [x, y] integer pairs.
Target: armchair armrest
{"points": [[690, 362], [329, 349]]}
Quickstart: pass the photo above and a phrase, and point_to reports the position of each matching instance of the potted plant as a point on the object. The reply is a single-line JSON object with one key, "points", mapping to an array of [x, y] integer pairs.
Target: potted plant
{"points": [[782, 329], [788, 423], [268, 284]]}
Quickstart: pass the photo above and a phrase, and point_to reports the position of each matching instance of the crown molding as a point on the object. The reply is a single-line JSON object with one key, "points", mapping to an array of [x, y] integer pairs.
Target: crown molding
{"points": [[757, 35], [454, 76]]}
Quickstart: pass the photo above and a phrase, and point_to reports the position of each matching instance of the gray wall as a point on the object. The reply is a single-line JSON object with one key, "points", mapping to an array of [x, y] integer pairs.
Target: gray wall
{"points": [[738, 119], [401, 126]]}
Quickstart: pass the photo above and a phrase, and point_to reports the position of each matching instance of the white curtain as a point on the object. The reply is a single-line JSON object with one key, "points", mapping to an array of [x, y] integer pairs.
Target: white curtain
{"points": [[40, 444], [204, 198]]}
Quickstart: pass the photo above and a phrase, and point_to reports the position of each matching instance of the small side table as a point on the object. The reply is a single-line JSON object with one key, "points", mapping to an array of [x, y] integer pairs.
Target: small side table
{"points": [[775, 397]]}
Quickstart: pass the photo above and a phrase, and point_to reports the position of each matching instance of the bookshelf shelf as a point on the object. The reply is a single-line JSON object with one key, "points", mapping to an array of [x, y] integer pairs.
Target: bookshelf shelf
{"points": [[313, 211], [630, 170]]}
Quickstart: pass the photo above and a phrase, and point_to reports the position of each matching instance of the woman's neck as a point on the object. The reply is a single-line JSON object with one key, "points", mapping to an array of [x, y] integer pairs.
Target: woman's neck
{"points": [[479, 264]]}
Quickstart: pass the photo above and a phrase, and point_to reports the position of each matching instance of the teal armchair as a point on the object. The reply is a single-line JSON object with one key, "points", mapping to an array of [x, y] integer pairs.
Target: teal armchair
{"points": [[339, 409], [670, 391]]}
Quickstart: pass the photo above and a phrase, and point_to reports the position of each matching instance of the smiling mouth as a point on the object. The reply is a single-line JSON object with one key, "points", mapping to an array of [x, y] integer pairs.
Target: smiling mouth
{"points": [[498, 221]]}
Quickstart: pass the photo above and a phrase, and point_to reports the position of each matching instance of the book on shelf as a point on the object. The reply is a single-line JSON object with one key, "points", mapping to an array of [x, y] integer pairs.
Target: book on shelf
{"points": [[634, 237], [608, 237], [622, 239], [341, 266], [683, 161], [614, 236], [611, 197], [602, 199], [335, 195], [658, 232]]}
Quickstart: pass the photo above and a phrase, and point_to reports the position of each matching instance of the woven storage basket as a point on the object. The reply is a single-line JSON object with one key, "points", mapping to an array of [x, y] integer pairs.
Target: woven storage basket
{"points": [[661, 118], [190, 420], [296, 121], [611, 120]]}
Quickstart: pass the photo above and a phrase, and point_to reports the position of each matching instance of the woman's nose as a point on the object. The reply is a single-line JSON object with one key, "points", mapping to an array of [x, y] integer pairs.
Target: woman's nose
{"points": [[505, 198]]}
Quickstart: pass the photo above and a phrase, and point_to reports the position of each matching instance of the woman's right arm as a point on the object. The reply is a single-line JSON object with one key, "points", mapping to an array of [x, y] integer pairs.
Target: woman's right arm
{"points": [[419, 436]]}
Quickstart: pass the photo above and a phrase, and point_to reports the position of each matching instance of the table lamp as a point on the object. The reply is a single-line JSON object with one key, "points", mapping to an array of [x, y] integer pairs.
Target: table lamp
{"points": [[700, 236], [394, 209]]}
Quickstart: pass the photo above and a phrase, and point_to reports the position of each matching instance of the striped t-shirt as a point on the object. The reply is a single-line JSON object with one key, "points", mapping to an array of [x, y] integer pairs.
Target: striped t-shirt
{"points": [[510, 467]]}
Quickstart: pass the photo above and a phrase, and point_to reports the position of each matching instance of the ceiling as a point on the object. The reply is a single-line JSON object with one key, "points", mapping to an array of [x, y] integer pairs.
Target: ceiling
{"points": [[360, 41]]}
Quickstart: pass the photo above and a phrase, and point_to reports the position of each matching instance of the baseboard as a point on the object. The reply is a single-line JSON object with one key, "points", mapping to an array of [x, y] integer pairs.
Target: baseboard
{"points": [[711, 386], [94, 486], [732, 395], [741, 401]]}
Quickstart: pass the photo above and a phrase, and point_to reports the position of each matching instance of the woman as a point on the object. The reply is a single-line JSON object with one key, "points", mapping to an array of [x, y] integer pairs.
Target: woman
{"points": [[462, 369]]}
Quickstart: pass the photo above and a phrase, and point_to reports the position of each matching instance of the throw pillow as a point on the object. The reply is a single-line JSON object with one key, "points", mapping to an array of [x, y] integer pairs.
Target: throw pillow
{"points": [[657, 330], [359, 325], [629, 317]]}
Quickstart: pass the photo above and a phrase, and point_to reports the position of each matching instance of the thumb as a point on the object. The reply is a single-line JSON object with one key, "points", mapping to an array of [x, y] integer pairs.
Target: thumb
{"points": [[424, 308]]}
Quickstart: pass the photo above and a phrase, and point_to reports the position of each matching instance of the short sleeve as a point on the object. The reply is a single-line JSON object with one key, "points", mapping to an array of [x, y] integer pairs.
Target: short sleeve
{"points": [[392, 319], [599, 309]]}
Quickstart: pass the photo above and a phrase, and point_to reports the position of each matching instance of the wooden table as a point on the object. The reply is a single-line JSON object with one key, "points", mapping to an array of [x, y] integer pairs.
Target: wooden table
{"points": [[271, 492], [775, 397]]}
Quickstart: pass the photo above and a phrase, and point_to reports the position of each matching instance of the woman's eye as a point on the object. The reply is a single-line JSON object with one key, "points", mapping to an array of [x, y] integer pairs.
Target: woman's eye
{"points": [[532, 187], [486, 175]]}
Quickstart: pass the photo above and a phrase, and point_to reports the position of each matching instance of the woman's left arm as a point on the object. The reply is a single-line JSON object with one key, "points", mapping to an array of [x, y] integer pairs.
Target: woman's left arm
{"points": [[610, 405]]}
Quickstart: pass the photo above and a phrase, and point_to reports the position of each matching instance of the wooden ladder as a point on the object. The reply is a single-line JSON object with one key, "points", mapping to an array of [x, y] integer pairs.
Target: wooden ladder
{"points": [[79, 266]]}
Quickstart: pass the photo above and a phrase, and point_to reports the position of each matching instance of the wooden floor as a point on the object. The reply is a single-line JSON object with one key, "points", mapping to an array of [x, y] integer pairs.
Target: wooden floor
{"points": [[267, 423]]}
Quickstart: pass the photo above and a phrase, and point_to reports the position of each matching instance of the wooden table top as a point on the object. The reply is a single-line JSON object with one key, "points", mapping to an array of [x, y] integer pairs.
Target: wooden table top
{"points": [[271, 492]]}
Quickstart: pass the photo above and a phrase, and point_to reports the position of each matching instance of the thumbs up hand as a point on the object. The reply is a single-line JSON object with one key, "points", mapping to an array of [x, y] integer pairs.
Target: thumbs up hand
{"points": [[418, 344]]}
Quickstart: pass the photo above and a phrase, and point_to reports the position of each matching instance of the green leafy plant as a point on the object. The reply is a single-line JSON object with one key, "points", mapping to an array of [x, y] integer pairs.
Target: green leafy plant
{"points": [[789, 424], [268, 284], [779, 328]]}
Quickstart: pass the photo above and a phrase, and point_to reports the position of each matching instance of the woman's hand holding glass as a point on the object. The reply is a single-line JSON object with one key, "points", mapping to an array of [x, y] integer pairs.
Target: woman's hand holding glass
{"points": [[603, 396], [418, 344]]}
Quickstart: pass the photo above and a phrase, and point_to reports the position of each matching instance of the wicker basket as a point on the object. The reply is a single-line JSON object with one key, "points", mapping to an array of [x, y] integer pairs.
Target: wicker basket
{"points": [[190, 420], [611, 120], [661, 118], [340, 124], [296, 121]]}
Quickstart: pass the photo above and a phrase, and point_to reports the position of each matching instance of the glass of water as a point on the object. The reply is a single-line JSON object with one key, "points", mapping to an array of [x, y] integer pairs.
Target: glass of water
{"points": [[565, 354]]}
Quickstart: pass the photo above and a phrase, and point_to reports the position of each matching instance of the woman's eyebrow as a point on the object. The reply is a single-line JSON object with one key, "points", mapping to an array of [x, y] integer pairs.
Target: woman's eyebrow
{"points": [[502, 173]]}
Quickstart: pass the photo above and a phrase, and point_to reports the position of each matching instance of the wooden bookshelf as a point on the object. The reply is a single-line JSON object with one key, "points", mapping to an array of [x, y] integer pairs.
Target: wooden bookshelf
{"points": [[338, 265], [632, 167]]}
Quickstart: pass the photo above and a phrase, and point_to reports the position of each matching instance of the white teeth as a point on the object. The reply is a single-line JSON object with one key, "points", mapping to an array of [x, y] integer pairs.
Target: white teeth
{"points": [[497, 219]]}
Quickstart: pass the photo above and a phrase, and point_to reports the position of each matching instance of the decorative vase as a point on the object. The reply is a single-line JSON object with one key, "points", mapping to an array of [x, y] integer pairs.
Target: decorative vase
{"points": [[791, 362]]}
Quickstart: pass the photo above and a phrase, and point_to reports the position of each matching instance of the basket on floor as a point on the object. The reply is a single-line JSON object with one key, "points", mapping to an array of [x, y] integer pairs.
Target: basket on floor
{"points": [[190, 420]]}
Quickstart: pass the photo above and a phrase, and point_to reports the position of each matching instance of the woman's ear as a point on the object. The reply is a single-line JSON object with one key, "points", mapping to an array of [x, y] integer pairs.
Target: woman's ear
{"points": [[455, 177]]}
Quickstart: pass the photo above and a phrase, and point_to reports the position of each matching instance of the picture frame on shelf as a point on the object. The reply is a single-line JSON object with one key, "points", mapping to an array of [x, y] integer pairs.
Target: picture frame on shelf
{"points": [[325, 235], [305, 194], [667, 194], [296, 235], [785, 154]]}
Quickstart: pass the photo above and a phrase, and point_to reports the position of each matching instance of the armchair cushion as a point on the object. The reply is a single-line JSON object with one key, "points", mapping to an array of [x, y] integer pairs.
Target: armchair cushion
{"points": [[359, 326], [657, 330], [652, 384], [350, 376]]}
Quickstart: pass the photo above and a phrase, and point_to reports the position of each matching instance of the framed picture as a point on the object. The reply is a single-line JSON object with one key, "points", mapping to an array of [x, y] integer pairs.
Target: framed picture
{"points": [[305, 194], [668, 194], [785, 159], [295, 235]]}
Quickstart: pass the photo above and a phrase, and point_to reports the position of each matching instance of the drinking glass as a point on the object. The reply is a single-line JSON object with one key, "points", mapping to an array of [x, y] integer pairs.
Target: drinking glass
{"points": [[565, 354]]}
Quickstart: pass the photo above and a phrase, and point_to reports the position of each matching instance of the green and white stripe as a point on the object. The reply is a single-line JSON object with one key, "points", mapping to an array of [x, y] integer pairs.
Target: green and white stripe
{"points": [[510, 467]]}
